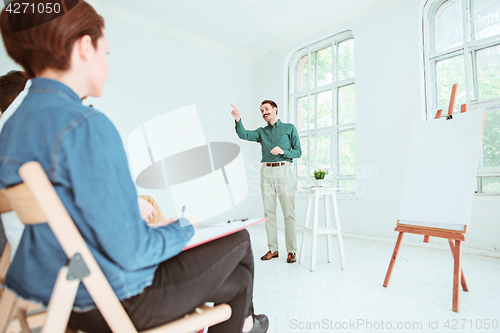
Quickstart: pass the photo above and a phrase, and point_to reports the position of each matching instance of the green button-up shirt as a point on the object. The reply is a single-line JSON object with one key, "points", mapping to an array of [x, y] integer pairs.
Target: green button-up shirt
{"points": [[283, 135]]}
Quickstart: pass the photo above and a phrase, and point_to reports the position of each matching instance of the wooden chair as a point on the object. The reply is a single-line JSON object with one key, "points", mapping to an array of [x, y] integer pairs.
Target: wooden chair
{"points": [[5, 259], [36, 201], [21, 315]]}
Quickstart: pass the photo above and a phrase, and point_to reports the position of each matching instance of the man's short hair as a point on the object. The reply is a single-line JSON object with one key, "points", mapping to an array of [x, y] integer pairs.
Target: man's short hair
{"points": [[48, 45], [272, 103], [11, 85]]}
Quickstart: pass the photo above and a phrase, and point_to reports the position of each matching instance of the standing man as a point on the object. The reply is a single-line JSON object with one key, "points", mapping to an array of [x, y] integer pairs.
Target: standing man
{"points": [[280, 145]]}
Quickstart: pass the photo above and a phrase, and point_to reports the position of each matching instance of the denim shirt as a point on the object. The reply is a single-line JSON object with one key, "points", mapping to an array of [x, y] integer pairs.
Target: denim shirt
{"points": [[83, 157], [283, 135]]}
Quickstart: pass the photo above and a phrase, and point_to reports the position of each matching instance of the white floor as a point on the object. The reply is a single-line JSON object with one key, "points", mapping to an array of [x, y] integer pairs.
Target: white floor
{"points": [[418, 298]]}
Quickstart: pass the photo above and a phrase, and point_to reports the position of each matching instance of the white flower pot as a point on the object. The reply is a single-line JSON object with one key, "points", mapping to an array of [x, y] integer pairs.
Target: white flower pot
{"points": [[320, 182]]}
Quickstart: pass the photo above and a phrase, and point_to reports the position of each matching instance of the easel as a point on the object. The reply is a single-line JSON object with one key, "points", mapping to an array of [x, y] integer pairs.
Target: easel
{"points": [[455, 237]]}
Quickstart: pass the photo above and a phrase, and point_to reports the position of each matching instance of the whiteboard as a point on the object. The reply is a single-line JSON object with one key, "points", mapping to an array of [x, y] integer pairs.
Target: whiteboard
{"points": [[440, 176]]}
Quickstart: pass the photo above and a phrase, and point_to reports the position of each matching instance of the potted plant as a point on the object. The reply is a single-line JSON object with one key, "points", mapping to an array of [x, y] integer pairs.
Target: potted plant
{"points": [[319, 175]]}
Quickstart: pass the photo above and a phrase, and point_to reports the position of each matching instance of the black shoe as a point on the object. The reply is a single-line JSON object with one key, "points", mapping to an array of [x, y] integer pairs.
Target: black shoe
{"points": [[260, 324]]}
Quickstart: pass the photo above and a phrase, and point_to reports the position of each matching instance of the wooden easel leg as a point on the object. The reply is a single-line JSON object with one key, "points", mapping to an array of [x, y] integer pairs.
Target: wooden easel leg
{"points": [[464, 283], [457, 276], [393, 259]]}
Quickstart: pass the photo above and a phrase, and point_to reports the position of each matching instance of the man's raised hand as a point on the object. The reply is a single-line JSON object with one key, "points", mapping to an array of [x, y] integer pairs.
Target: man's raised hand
{"points": [[235, 113]]}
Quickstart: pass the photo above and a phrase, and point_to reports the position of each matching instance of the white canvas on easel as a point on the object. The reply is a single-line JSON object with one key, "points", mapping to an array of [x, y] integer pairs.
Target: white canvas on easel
{"points": [[440, 175], [439, 184]]}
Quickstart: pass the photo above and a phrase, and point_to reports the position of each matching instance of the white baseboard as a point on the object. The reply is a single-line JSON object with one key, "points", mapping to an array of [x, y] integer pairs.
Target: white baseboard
{"points": [[467, 250]]}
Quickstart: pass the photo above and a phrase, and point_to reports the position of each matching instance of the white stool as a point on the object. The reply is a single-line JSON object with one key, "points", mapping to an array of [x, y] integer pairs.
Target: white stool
{"points": [[328, 230]]}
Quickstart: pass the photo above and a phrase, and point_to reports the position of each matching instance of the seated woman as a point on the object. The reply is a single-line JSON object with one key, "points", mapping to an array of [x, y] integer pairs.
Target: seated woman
{"points": [[83, 156]]}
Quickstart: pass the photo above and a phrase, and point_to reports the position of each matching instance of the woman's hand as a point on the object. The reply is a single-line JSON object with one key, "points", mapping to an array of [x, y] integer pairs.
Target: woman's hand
{"points": [[146, 209], [163, 223]]}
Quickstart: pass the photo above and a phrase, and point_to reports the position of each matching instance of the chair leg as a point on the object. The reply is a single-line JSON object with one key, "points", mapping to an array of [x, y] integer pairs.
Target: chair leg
{"points": [[5, 263], [34, 321], [393, 259], [339, 232], [6, 306], [328, 226], [61, 303], [304, 231], [21, 317], [314, 232]]}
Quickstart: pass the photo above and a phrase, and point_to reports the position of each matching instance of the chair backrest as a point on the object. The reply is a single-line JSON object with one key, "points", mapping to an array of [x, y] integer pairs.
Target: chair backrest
{"points": [[4, 202], [5, 258], [36, 201]]}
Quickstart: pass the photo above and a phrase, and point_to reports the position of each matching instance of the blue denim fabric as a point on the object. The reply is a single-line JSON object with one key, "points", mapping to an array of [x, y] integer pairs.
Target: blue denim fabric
{"points": [[83, 156]]}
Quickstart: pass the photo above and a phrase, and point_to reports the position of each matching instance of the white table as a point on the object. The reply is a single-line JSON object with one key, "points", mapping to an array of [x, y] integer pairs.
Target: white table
{"points": [[313, 199]]}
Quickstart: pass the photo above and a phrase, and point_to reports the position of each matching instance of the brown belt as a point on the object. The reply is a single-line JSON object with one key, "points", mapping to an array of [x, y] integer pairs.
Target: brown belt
{"points": [[277, 164]]}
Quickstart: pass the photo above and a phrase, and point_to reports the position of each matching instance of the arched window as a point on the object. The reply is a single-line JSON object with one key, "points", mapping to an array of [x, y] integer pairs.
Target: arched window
{"points": [[321, 99], [462, 45]]}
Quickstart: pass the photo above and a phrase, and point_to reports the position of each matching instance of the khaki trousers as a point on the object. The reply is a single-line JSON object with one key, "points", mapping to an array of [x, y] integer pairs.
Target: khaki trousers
{"points": [[279, 182]]}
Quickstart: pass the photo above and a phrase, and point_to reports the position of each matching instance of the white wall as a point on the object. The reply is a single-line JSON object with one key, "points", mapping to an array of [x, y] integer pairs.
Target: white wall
{"points": [[156, 68], [389, 101]]}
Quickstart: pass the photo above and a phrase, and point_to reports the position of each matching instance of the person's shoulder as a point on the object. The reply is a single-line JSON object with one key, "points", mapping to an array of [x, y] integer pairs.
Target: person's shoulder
{"points": [[84, 116], [289, 126]]}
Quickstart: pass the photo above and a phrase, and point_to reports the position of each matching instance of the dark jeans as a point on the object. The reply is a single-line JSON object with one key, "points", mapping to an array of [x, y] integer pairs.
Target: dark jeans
{"points": [[220, 271]]}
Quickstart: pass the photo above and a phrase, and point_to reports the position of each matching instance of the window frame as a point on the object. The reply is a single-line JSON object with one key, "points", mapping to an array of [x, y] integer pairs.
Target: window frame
{"points": [[468, 49], [293, 96]]}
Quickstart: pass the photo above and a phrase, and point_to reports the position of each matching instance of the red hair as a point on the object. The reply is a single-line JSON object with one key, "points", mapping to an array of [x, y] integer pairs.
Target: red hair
{"points": [[48, 45]]}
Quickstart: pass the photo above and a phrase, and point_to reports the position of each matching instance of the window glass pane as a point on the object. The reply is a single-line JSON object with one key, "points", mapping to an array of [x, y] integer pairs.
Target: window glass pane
{"points": [[347, 148], [346, 59], [303, 74], [313, 71], [449, 72], [325, 109], [491, 140], [302, 108], [325, 66], [486, 18], [346, 113], [324, 151], [448, 25], [491, 185], [346, 185], [488, 72]]}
